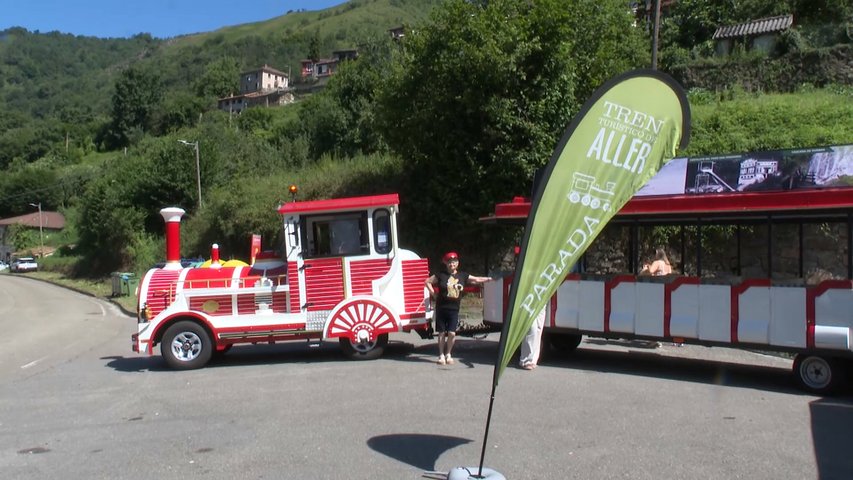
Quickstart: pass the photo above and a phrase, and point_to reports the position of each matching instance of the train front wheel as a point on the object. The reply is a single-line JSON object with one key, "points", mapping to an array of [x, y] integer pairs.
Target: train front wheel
{"points": [[186, 346]]}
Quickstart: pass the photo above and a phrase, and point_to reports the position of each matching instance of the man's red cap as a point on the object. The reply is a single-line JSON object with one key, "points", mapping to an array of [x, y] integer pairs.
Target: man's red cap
{"points": [[449, 256]]}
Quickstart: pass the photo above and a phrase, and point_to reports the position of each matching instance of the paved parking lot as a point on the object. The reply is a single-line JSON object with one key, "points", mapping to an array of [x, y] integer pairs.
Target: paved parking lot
{"points": [[75, 402]]}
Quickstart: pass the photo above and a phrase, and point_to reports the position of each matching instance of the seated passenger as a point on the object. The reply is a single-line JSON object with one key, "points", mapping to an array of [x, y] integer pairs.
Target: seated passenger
{"points": [[660, 266]]}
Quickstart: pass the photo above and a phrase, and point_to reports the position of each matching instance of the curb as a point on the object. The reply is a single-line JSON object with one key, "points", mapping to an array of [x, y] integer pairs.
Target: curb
{"points": [[84, 292]]}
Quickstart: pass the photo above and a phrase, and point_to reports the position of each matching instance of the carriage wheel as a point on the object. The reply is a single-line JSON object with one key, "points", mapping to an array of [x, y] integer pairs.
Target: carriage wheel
{"points": [[362, 326]]}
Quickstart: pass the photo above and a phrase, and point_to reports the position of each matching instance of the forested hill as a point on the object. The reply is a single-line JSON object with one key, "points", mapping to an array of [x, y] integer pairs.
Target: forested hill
{"points": [[54, 85], [475, 90]]}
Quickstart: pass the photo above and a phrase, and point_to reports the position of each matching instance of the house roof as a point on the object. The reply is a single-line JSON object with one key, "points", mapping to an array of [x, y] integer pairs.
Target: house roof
{"points": [[266, 68], [50, 220], [755, 27]]}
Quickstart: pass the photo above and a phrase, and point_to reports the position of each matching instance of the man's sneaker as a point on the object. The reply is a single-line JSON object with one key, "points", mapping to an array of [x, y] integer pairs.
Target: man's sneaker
{"points": [[441, 359], [449, 360]]}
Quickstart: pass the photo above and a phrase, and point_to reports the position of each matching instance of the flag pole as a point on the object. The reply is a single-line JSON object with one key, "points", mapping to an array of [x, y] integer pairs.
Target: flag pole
{"points": [[486, 434], [498, 362]]}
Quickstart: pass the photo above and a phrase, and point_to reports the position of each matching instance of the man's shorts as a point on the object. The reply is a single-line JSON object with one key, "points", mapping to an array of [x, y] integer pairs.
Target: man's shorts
{"points": [[446, 320]]}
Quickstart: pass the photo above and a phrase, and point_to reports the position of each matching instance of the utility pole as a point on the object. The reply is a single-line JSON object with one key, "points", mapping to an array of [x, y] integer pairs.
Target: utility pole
{"points": [[655, 36], [41, 229]]}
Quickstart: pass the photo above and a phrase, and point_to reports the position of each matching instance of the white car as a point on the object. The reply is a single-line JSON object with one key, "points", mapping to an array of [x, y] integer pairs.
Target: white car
{"points": [[24, 264]]}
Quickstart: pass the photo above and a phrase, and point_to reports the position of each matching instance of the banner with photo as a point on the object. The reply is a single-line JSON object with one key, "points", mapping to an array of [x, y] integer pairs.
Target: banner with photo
{"points": [[822, 167]]}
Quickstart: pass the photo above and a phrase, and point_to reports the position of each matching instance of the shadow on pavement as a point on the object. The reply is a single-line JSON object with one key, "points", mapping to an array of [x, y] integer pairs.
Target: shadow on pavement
{"points": [[479, 353], [638, 359], [247, 355], [832, 424], [419, 450], [654, 364]]}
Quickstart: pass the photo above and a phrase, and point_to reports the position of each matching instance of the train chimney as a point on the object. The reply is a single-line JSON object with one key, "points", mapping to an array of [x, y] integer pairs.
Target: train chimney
{"points": [[172, 216], [214, 256]]}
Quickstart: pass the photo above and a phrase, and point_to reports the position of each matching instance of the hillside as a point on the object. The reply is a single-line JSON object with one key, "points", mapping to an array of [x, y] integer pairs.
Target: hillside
{"points": [[481, 91], [53, 84], [284, 41]]}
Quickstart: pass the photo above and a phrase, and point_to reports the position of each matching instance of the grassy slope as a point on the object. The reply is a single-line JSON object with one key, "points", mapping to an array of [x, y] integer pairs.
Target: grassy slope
{"points": [[751, 123], [353, 16]]}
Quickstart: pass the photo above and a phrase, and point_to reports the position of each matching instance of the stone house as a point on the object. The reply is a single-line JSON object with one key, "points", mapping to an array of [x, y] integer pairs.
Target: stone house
{"points": [[264, 86], [326, 67]]}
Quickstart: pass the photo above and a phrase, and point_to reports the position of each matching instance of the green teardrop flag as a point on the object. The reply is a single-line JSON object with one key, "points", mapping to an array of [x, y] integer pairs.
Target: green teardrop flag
{"points": [[618, 141]]}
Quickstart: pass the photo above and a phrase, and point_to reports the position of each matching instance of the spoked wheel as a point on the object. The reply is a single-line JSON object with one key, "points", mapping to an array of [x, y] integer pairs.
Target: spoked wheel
{"points": [[366, 350], [186, 345], [362, 327], [818, 374]]}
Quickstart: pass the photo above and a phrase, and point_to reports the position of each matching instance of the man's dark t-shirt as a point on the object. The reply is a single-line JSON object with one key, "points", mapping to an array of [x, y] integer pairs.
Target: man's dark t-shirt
{"points": [[450, 289]]}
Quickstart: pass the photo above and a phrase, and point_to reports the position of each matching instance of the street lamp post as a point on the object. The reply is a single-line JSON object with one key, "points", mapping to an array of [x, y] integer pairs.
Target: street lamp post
{"points": [[41, 228], [197, 168]]}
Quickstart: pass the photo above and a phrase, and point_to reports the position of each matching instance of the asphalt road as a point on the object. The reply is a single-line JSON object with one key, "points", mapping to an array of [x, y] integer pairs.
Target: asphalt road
{"points": [[75, 402]]}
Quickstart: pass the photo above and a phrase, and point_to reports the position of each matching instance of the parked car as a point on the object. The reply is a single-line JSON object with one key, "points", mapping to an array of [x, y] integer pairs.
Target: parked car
{"points": [[3, 265], [24, 264]]}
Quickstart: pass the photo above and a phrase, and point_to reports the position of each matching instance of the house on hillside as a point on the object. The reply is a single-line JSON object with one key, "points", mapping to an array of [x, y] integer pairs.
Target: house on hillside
{"points": [[755, 35], [46, 222], [264, 86], [326, 67]]}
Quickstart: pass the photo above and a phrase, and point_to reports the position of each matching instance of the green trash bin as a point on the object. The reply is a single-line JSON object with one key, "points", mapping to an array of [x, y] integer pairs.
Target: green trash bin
{"points": [[126, 280], [132, 283]]}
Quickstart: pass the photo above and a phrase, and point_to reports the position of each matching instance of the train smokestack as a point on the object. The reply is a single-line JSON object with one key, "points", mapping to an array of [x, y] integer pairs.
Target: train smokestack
{"points": [[214, 256], [172, 216]]}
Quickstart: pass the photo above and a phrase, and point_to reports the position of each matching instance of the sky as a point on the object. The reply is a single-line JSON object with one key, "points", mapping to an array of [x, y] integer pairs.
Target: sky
{"points": [[160, 18]]}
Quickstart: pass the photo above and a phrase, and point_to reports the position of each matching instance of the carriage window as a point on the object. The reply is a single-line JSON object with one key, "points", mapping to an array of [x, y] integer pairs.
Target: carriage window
{"points": [[335, 235], [382, 231]]}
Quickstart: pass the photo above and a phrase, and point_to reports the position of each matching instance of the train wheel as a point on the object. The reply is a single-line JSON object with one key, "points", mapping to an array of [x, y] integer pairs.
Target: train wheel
{"points": [[585, 200], [563, 342], [574, 197], [186, 346], [362, 325], [818, 374], [595, 203], [367, 350]]}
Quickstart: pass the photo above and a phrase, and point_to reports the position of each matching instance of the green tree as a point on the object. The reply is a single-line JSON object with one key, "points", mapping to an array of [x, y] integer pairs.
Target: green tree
{"points": [[220, 79], [479, 97], [138, 91], [353, 89], [314, 46], [179, 110]]}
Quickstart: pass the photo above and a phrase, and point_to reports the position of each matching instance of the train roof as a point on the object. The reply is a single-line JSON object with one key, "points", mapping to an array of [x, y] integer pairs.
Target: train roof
{"points": [[340, 204], [804, 204], [806, 184]]}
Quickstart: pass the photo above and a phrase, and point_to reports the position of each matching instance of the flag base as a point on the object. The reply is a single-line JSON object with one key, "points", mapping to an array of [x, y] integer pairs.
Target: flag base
{"points": [[471, 473]]}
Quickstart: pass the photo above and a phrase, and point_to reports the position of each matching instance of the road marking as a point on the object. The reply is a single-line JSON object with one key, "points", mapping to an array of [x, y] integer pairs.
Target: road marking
{"points": [[32, 363], [103, 312]]}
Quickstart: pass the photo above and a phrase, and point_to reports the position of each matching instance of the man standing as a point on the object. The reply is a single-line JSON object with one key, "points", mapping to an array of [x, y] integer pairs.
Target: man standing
{"points": [[450, 286]]}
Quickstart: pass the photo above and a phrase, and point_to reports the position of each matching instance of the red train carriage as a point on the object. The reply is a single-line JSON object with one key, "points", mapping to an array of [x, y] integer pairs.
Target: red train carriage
{"points": [[342, 276], [767, 304]]}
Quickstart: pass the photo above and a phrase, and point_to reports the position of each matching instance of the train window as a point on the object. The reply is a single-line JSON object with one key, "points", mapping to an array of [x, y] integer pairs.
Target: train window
{"points": [[382, 240], [335, 235]]}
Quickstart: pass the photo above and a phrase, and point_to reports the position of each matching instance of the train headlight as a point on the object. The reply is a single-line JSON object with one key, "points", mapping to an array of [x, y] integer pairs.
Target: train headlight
{"points": [[144, 313]]}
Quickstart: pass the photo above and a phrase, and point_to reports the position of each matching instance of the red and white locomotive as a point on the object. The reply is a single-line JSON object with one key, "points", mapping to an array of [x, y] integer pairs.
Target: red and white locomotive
{"points": [[342, 276]]}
